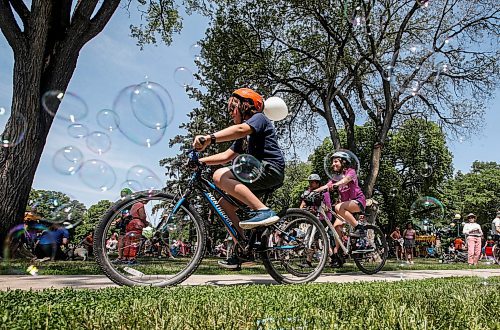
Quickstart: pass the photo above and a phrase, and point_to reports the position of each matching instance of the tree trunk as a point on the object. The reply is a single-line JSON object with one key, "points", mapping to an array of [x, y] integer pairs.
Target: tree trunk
{"points": [[332, 128], [374, 169], [45, 57]]}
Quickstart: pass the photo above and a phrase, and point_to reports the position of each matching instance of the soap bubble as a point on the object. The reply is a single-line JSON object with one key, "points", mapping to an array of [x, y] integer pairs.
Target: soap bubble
{"points": [[327, 163], [77, 131], [98, 142], [13, 137], [183, 76], [20, 242], [426, 170], [68, 215], [152, 105], [428, 210], [132, 185], [67, 160], [195, 51], [98, 175], [129, 125], [68, 106], [147, 179], [247, 168], [108, 120]]}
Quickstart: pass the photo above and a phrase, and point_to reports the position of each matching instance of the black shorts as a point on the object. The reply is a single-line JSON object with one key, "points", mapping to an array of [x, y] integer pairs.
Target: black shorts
{"points": [[361, 207], [270, 178]]}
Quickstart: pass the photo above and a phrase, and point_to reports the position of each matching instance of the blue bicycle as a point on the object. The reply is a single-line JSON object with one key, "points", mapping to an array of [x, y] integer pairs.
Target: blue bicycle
{"points": [[283, 247]]}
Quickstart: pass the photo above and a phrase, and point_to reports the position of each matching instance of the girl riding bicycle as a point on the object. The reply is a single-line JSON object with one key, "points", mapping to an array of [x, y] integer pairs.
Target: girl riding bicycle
{"points": [[352, 199], [254, 134]]}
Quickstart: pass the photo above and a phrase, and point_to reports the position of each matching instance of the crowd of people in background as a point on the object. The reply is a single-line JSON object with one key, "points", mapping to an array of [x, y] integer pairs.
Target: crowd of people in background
{"points": [[474, 242], [54, 242]]}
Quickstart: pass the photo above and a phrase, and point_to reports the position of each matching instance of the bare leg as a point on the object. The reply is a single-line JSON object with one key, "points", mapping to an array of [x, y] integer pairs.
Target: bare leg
{"points": [[346, 209], [230, 210], [225, 180], [338, 228]]}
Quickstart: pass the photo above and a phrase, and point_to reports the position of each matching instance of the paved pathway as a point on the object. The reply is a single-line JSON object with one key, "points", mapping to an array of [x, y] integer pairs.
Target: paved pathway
{"points": [[27, 282]]}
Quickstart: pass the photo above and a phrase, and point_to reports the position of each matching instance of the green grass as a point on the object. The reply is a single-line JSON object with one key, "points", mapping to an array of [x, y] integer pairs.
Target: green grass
{"points": [[453, 303], [209, 267]]}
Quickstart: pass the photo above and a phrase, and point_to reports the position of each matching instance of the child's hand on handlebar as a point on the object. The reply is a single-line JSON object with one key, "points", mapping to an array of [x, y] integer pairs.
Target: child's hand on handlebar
{"points": [[201, 142]]}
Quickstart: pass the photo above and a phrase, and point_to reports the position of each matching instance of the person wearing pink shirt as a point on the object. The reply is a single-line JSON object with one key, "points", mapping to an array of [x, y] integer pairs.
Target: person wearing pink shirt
{"points": [[352, 199]]}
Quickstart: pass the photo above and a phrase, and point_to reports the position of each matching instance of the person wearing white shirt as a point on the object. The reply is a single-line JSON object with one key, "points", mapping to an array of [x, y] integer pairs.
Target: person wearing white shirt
{"points": [[473, 232], [495, 227]]}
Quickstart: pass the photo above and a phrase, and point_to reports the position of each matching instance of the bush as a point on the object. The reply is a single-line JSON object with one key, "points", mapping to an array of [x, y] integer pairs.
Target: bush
{"points": [[426, 304]]}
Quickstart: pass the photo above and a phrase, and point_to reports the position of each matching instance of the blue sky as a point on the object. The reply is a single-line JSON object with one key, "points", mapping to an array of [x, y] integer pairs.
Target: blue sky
{"points": [[112, 61]]}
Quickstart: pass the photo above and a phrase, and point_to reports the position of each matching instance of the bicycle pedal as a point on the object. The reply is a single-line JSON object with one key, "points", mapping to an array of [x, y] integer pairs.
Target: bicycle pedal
{"points": [[362, 251]]}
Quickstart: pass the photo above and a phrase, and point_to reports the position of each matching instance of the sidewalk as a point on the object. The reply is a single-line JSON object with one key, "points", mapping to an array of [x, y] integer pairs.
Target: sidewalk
{"points": [[26, 282]]}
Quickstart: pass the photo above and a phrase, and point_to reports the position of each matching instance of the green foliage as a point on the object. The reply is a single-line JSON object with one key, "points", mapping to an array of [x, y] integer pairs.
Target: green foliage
{"points": [[425, 304], [161, 19], [415, 162], [295, 183], [477, 191], [92, 217]]}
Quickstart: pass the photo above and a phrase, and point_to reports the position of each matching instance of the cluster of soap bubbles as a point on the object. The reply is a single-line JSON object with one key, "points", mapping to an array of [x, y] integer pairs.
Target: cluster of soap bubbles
{"points": [[183, 76], [146, 110]]}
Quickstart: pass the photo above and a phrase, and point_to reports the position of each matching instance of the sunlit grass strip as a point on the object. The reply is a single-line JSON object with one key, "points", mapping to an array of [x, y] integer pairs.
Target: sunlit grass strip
{"points": [[209, 267], [454, 303]]}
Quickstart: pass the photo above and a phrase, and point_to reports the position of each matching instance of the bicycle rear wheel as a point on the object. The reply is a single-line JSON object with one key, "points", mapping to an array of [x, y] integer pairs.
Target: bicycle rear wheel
{"points": [[130, 265], [296, 248], [370, 252]]}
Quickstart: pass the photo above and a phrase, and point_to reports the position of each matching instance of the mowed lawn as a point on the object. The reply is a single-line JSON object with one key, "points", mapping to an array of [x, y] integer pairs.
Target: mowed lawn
{"points": [[209, 267], [451, 303]]}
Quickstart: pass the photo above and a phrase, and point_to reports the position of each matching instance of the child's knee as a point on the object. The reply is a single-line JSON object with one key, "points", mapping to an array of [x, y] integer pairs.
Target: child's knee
{"points": [[217, 177]]}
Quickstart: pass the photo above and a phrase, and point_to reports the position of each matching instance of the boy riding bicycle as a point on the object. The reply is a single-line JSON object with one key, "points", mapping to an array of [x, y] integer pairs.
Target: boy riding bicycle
{"points": [[254, 134]]}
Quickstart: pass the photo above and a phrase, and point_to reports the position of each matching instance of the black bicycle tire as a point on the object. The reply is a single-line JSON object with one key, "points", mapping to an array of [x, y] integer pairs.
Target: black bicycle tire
{"points": [[103, 259], [384, 258], [318, 270], [496, 256]]}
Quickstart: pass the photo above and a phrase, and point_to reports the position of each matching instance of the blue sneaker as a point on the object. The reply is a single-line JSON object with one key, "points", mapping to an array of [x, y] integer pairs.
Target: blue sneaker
{"points": [[265, 217]]}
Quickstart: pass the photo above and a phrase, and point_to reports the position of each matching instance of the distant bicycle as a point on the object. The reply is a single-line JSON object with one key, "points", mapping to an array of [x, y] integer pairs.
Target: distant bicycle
{"points": [[369, 253]]}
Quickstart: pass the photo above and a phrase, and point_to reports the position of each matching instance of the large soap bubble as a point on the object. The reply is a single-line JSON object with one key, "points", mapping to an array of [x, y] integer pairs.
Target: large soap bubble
{"points": [[152, 105], [247, 168], [67, 105], [108, 120], [98, 142], [11, 138], [98, 175], [427, 210], [130, 126], [327, 163], [146, 178], [67, 160]]}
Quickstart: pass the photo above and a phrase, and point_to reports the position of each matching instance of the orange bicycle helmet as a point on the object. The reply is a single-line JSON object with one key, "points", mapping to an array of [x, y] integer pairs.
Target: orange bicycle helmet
{"points": [[247, 94]]}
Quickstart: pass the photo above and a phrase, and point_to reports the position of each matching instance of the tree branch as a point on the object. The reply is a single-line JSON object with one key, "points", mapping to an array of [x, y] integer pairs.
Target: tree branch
{"points": [[10, 29], [101, 18], [22, 11]]}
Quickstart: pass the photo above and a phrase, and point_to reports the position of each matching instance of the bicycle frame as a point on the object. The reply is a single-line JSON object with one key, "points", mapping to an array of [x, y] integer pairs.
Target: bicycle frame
{"points": [[207, 188], [338, 240]]}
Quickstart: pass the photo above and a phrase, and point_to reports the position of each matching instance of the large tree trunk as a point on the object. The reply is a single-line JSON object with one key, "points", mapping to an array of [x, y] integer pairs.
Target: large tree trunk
{"points": [[45, 57], [374, 169]]}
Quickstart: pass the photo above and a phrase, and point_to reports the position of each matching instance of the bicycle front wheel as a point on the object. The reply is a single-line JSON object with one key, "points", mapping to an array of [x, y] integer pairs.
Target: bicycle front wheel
{"points": [[296, 248], [135, 263], [370, 252], [496, 253]]}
